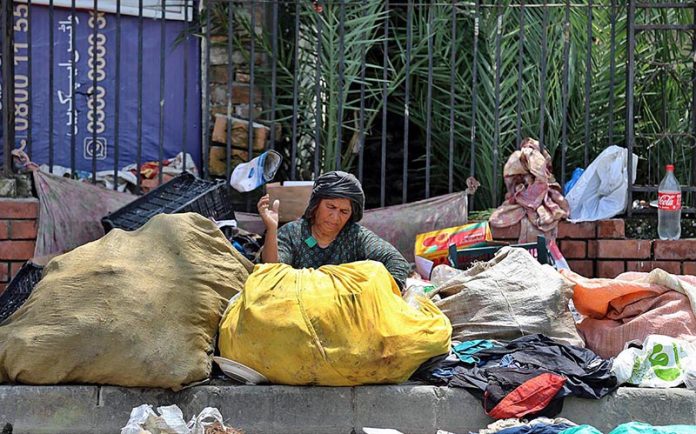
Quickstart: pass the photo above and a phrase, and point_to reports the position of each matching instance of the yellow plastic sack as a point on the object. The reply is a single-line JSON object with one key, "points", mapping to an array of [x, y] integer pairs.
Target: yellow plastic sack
{"points": [[339, 325]]}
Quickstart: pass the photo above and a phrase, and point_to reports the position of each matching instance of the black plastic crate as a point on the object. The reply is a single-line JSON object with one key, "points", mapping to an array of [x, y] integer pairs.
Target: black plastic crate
{"points": [[19, 289], [185, 193]]}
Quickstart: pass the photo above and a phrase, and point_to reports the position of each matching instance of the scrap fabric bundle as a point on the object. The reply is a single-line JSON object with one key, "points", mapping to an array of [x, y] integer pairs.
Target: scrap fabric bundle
{"points": [[528, 376], [633, 306], [533, 196]]}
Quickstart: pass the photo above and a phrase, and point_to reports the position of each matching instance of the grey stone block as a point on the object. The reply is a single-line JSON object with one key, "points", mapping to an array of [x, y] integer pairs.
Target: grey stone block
{"points": [[282, 409], [653, 406], [113, 404], [49, 409], [459, 411], [410, 409]]}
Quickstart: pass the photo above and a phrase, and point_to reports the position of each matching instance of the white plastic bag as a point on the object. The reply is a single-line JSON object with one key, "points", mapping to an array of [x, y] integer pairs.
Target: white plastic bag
{"points": [[249, 176], [663, 362], [602, 190], [144, 420]]}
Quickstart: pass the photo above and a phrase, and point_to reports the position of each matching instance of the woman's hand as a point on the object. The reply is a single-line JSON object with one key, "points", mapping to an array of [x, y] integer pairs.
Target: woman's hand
{"points": [[269, 215]]}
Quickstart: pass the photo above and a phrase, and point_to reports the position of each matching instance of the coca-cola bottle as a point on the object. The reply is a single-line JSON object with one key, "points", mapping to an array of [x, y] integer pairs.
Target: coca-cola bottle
{"points": [[669, 206]]}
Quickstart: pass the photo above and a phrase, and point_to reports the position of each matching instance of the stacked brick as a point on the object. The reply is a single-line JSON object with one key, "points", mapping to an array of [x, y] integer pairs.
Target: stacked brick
{"points": [[600, 249], [18, 226]]}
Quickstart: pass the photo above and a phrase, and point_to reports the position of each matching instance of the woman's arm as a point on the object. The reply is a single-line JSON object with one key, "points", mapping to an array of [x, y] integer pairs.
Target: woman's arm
{"points": [[376, 249], [269, 216]]}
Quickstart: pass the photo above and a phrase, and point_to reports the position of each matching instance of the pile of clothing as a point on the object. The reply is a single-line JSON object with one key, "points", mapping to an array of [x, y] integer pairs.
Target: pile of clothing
{"points": [[527, 376]]}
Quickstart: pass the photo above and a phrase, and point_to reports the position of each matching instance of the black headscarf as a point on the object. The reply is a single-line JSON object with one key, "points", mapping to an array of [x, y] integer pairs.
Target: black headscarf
{"points": [[337, 185]]}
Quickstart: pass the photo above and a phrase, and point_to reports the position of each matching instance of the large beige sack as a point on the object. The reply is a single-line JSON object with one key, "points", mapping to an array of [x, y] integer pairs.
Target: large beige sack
{"points": [[510, 296], [130, 309]]}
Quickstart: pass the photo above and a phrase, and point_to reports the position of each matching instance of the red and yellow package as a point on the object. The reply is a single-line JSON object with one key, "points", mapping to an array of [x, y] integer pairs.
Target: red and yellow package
{"points": [[434, 245]]}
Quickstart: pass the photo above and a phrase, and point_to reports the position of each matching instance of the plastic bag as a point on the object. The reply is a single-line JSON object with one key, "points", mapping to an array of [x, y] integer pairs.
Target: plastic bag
{"points": [[144, 419], [577, 173], [339, 325], [661, 363], [252, 175], [602, 190]]}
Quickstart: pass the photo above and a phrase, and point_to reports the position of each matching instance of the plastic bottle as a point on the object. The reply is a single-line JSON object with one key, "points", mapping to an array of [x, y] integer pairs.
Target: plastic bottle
{"points": [[669, 206]]}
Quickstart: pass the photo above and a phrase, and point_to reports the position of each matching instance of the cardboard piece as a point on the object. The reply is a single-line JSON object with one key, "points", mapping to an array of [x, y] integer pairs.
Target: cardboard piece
{"points": [[293, 199], [434, 245], [240, 135]]}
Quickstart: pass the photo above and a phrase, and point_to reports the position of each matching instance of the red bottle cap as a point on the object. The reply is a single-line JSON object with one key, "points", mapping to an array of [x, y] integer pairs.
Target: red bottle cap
{"points": [[669, 167]]}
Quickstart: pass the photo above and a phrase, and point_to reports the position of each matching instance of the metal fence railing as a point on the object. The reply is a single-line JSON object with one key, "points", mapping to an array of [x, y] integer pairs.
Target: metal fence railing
{"points": [[414, 97]]}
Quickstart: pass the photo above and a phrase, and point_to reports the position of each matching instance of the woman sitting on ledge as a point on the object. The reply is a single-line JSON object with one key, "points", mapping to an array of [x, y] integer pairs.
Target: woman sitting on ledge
{"points": [[328, 233]]}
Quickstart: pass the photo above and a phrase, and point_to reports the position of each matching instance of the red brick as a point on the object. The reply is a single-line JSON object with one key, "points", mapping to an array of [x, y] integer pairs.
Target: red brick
{"points": [[2, 288], [592, 249], [585, 230], [507, 233], [4, 272], [23, 229], [678, 250], [4, 229], [689, 268], [610, 269], [19, 208], [573, 249], [14, 268], [628, 249], [16, 250], [614, 228], [583, 268], [673, 267]]}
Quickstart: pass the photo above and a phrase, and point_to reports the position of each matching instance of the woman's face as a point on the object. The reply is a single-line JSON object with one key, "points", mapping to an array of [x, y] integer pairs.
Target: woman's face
{"points": [[331, 215]]}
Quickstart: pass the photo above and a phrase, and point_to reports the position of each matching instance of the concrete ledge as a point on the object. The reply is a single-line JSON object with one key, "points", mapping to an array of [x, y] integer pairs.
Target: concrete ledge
{"points": [[284, 409]]}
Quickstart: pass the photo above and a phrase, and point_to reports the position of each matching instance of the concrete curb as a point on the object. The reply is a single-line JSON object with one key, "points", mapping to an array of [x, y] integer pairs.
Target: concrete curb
{"points": [[285, 409]]}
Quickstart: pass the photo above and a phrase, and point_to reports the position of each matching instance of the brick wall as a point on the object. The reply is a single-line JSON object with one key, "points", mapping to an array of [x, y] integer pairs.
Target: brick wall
{"points": [[18, 225], [600, 249]]}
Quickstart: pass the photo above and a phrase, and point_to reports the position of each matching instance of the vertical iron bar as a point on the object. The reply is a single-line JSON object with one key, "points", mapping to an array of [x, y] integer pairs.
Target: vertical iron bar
{"points": [[117, 94], [295, 84], [73, 90], [317, 93], [564, 90], [498, 65], [230, 81], [252, 90], [341, 79], [274, 73], [206, 113], [407, 96], [385, 60], [429, 102], [692, 181], [95, 21], [30, 81], [474, 91], [520, 69], [361, 126], [453, 37], [8, 84], [163, 35], [184, 127], [630, 77], [51, 56], [139, 151], [612, 71], [588, 81], [542, 77]]}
